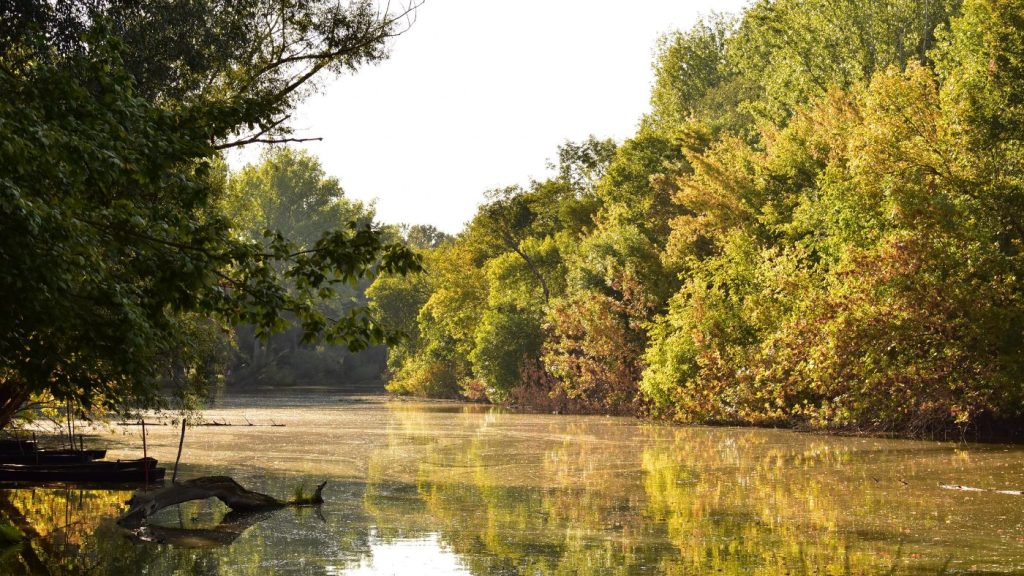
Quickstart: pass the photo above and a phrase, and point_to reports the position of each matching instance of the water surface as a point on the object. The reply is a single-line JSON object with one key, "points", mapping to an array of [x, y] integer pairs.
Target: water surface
{"points": [[432, 488]]}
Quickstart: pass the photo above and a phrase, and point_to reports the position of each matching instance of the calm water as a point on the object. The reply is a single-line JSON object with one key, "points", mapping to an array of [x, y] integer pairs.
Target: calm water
{"points": [[419, 488]]}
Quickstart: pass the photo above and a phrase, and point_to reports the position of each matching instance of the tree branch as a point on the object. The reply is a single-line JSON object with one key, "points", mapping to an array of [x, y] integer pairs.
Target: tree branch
{"points": [[257, 139]]}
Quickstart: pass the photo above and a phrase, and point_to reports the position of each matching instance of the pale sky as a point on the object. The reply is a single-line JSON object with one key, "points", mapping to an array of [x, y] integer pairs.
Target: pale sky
{"points": [[478, 94]]}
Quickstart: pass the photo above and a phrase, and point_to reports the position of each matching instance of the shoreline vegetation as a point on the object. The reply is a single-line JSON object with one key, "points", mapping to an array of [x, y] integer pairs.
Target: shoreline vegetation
{"points": [[816, 234]]}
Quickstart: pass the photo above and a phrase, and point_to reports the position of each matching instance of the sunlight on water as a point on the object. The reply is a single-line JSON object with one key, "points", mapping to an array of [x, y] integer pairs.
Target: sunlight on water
{"points": [[423, 556], [447, 488]]}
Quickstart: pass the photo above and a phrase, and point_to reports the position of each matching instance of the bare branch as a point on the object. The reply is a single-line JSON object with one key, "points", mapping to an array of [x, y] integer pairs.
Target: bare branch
{"points": [[256, 140], [375, 33]]}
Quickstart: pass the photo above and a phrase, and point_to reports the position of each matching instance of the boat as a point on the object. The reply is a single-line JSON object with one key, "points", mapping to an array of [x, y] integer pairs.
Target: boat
{"points": [[141, 470], [20, 446], [51, 456]]}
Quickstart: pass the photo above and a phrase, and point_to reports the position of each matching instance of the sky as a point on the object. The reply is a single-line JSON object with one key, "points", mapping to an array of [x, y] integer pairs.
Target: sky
{"points": [[479, 94]]}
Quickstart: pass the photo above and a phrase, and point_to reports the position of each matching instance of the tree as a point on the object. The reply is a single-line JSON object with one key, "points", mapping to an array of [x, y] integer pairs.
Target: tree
{"points": [[582, 165], [289, 194], [596, 332], [112, 232], [797, 50], [819, 224], [423, 235], [690, 70], [437, 362], [510, 331], [261, 56], [506, 219]]}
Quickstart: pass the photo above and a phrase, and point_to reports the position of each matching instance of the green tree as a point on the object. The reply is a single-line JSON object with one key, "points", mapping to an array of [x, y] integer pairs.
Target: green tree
{"points": [[288, 193], [435, 361], [691, 74], [112, 234], [423, 235], [818, 224]]}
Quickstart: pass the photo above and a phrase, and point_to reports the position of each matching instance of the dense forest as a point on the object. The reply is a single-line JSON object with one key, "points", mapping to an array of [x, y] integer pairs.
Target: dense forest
{"points": [[818, 224]]}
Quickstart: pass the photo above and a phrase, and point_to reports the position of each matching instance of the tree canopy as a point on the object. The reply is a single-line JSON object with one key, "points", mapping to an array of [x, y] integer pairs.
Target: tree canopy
{"points": [[817, 224], [113, 235]]}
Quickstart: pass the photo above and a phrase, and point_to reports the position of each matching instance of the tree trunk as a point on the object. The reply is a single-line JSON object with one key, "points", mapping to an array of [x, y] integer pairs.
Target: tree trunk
{"points": [[256, 349], [145, 504], [12, 398], [535, 271]]}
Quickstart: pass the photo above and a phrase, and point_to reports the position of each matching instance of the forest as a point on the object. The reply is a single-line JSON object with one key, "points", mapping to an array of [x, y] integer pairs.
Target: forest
{"points": [[817, 225]]}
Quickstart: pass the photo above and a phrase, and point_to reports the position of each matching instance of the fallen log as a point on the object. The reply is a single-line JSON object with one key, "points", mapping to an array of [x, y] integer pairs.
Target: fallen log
{"points": [[144, 504]]}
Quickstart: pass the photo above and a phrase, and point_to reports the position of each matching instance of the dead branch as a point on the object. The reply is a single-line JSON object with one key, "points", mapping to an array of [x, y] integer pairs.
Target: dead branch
{"points": [[232, 494]]}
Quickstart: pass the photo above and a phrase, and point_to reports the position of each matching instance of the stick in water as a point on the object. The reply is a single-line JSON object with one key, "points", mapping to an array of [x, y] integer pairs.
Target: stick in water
{"points": [[145, 455], [71, 432], [174, 476]]}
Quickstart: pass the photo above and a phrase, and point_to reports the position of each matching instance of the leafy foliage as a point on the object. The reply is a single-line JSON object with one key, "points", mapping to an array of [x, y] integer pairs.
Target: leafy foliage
{"points": [[113, 241], [288, 194], [818, 224]]}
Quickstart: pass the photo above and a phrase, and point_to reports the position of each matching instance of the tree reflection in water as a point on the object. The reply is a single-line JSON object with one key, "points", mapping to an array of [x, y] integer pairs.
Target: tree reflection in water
{"points": [[675, 501], [503, 493]]}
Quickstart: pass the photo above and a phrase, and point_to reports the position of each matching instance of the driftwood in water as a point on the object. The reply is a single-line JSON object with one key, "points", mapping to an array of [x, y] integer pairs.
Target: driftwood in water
{"points": [[231, 493]]}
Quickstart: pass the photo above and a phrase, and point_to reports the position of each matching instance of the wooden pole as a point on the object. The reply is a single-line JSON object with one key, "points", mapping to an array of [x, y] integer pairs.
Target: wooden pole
{"points": [[71, 422], [181, 442], [145, 454]]}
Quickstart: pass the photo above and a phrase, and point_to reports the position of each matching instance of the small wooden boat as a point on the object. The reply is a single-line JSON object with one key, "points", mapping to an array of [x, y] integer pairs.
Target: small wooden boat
{"points": [[140, 470], [17, 446], [52, 456]]}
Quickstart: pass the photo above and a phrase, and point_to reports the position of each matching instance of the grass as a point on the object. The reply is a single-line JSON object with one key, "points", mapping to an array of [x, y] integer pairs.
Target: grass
{"points": [[9, 534], [301, 493]]}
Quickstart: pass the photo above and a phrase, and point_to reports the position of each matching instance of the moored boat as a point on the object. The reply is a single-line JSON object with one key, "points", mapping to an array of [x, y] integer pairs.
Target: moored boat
{"points": [[20, 446], [52, 456], [141, 470]]}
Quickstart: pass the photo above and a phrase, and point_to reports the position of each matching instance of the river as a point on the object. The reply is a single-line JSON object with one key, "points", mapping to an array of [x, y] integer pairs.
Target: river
{"points": [[437, 488]]}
